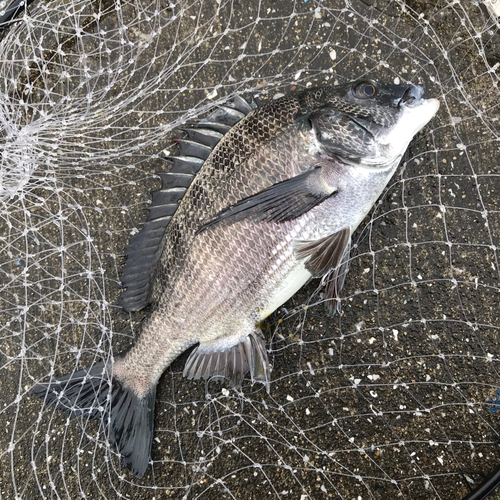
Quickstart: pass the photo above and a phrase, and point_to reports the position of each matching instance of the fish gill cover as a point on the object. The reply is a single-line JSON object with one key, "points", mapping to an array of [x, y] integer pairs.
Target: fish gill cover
{"points": [[393, 397]]}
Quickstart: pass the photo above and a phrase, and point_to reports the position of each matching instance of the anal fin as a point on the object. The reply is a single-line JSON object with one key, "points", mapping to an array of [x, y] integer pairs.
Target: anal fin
{"points": [[231, 358]]}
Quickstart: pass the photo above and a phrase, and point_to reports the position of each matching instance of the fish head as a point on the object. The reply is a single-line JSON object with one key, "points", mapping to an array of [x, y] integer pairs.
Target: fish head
{"points": [[369, 123]]}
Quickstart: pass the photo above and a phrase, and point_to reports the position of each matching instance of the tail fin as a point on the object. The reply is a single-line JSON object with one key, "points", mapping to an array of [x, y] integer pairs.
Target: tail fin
{"points": [[132, 420], [91, 393]]}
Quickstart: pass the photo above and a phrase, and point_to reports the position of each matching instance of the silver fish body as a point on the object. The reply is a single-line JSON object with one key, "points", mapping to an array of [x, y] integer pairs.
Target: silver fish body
{"points": [[274, 202]]}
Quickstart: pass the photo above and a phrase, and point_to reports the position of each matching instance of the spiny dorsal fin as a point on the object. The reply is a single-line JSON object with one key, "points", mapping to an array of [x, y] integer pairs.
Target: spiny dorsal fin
{"points": [[217, 126], [243, 105], [145, 247], [227, 115], [185, 165], [204, 136], [194, 148]]}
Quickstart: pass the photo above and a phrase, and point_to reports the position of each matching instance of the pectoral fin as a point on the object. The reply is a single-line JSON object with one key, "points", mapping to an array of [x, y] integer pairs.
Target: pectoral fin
{"points": [[281, 202], [323, 254]]}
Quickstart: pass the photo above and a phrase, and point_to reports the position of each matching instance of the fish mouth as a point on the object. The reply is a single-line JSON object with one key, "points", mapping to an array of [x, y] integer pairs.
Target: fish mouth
{"points": [[413, 97], [416, 113]]}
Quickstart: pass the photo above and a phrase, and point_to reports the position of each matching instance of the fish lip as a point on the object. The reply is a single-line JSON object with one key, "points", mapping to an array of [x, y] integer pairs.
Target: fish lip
{"points": [[420, 102], [411, 103], [412, 119]]}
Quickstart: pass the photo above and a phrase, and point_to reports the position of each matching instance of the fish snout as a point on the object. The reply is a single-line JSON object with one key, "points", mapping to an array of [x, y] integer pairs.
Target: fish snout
{"points": [[412, 95]]}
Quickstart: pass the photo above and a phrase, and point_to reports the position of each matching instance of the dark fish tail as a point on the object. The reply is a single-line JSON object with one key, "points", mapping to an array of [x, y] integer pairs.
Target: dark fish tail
{"points": [[93, 393]]}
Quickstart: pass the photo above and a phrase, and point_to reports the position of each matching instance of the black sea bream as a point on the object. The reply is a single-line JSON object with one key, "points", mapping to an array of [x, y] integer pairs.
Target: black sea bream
{"points": [[259, 200]]}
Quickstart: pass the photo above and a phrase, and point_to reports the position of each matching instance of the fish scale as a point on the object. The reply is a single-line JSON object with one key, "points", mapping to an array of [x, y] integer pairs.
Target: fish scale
{"points": [[186, 290], [213, 251], [258, 201]]}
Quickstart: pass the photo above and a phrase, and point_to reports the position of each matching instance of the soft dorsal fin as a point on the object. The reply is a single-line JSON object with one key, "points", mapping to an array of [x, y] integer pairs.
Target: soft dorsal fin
{"points": [[144, 248]]}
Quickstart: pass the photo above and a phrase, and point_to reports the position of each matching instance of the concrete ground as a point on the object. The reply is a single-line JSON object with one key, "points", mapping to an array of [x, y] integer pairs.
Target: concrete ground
{"points": [[388, 400]]}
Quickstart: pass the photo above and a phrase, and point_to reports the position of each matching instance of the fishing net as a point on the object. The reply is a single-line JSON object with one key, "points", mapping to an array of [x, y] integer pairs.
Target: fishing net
{"points": [[395, 398]]}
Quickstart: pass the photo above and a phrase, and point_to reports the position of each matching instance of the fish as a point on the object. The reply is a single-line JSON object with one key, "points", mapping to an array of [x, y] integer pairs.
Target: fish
{"points": [[259, 200]]}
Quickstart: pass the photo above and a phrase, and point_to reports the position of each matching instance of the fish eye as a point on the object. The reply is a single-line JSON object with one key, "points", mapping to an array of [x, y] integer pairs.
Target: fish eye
{"points": [[365, 90]]}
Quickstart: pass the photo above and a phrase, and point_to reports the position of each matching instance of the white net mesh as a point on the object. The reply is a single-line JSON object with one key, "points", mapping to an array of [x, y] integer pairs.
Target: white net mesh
{"points": [[395, 398]]}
